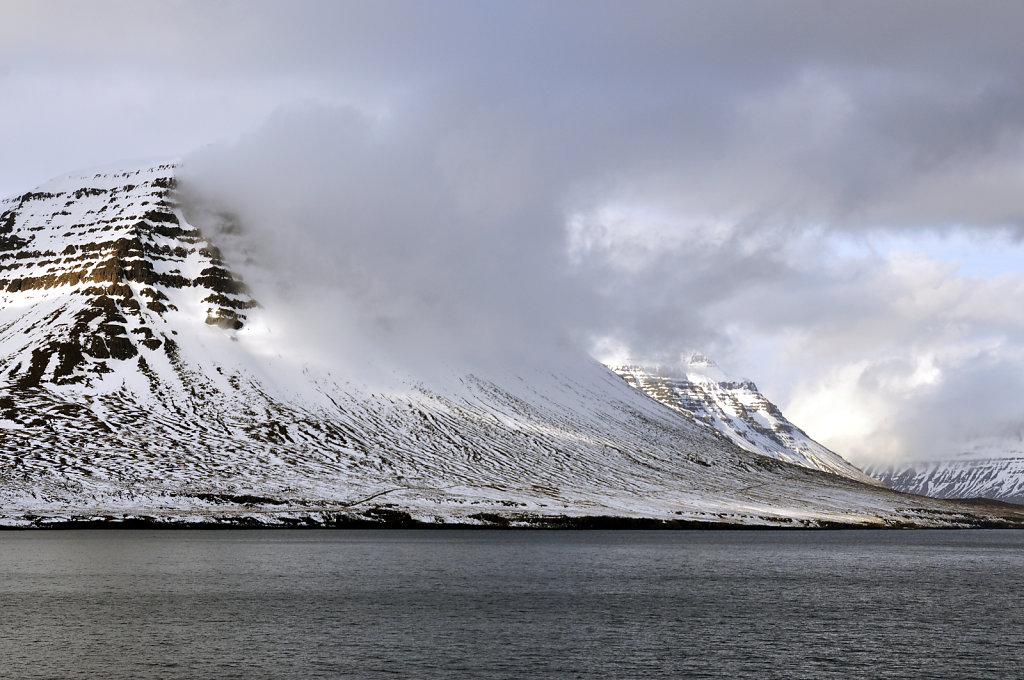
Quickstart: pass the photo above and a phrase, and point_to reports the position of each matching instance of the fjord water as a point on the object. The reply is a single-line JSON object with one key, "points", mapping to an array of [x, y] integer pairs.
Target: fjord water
{"points": [[502, 604]]}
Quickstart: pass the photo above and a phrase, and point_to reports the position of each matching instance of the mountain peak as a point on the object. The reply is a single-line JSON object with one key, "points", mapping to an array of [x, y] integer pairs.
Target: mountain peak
{"points": [[736, 409], [693, 366], [697, 360], [697, 366]]}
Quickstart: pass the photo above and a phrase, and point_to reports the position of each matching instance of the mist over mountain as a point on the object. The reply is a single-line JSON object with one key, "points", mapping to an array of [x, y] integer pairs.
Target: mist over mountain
{"points": [[825, 199], [143, 378], [376, 245]]}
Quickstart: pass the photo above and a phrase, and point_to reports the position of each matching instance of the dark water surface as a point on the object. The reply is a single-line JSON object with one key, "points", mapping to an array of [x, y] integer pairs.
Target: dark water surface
{"points": [[507, 604]]}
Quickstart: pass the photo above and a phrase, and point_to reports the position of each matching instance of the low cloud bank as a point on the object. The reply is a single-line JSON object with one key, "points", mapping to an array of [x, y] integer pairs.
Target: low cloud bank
{"points": [[393, 241]]}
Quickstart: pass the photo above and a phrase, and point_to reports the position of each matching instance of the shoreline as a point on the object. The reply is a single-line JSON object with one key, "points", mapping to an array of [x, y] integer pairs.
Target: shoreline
{"points": [[553, 523]]}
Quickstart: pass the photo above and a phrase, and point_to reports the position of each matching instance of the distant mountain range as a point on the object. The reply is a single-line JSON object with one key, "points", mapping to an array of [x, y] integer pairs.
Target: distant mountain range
{"points": [[997, 478], [141, 380]]}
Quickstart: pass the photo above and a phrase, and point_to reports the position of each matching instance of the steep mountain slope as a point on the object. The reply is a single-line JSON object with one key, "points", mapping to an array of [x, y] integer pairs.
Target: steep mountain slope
{"points": [[738, 410], [140, 378]]}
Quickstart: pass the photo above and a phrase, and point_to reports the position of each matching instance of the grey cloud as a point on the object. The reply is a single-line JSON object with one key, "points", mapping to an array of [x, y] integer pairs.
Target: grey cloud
{"points": [[670, 93]]}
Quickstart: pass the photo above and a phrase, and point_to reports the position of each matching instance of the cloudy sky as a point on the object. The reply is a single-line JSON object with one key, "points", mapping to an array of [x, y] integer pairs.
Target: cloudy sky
{"points": [[825, 198]]}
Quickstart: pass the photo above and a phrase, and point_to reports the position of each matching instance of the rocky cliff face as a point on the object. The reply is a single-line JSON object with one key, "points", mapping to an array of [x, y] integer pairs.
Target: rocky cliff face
{"points": [[90, 268], [736, 409], [139, 378]]}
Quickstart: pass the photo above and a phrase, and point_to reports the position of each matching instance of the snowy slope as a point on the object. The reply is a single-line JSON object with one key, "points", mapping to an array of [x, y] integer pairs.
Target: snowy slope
{"points": [[735, 408], [140, 377]]}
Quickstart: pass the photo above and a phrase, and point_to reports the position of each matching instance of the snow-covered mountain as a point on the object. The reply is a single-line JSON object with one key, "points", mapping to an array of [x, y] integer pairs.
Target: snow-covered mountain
{"points": [[996, 478], [735, 408], [140, 377]]}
